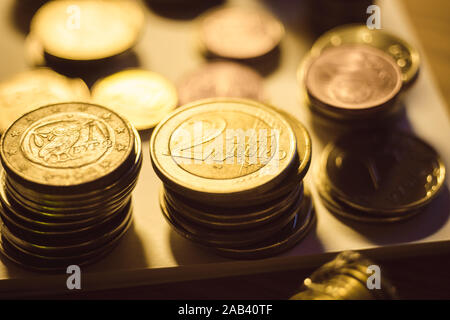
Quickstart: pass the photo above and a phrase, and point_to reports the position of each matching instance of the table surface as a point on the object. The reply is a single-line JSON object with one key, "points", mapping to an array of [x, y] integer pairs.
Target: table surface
{"points": [[419, 277]]}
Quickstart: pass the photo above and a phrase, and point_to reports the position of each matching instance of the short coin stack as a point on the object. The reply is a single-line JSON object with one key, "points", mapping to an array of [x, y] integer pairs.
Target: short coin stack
{"points": [[232, 171], [379, 176], [65, 192], [352, 73], [352, 82]]}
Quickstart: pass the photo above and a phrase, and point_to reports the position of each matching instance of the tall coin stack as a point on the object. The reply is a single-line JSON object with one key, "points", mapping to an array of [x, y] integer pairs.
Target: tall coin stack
{"points": [[69, 170], [378, 177], [232, 171]]}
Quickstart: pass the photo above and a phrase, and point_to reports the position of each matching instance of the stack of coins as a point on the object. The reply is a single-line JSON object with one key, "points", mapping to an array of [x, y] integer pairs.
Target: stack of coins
{"points": [[405, 55], [352, 82], [65, 192], [86, 30], [232, 171], [238, 33], [345, 278], [379, 176], [345, 78]]}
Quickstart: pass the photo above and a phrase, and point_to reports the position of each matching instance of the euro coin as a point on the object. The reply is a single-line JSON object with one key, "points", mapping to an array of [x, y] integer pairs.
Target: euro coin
{"points": [[30, 90], [66, 188], [87, 30], [143, 97], [353, 80], [220, 149], [405, 55], [240, 33], [45, 145], [221, 79]]}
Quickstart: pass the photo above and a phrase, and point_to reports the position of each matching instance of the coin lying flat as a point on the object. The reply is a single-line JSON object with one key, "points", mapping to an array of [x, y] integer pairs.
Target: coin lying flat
{"points": [[405, 55], [143, 97], [29, 90], [353, 77], [222, 148], [221, 79], [87, 30], [240, 33], [384, 172], [379, 177], [45, 145]]}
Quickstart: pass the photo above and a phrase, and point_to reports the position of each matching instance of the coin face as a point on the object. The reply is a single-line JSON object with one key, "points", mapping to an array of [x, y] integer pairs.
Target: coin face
{"points": [[66, 144], [143, 97], [223, 146], [87, 30], [240, 33], [221, 79], [391, 172], [406, 56], [32, 89], [353, 77]]}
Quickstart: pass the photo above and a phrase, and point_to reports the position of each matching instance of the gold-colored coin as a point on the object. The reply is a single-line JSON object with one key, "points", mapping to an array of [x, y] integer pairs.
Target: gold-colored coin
{"points": [[29, 90], [68, 146], [89, 29], [405, 55], [143, 97], [221, 148]]}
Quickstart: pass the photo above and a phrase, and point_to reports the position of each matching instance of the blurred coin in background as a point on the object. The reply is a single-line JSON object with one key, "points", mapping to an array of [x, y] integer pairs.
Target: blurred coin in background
{"points": [[29, 90], [87, 30], [240, 33], [221, 79], [143, 97]]}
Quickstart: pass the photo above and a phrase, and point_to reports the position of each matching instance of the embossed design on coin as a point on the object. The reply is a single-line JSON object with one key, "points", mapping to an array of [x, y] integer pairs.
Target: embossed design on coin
{"points": [[62, 146], [67, 143], [223, 146], [353, 77]]}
